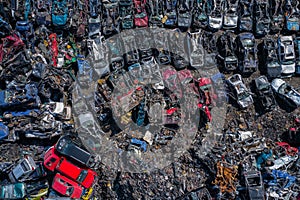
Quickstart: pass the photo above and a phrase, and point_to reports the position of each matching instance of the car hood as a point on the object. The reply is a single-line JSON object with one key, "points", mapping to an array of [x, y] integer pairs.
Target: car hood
{"points": [[256, 193], [246, 102], [276, 83]]}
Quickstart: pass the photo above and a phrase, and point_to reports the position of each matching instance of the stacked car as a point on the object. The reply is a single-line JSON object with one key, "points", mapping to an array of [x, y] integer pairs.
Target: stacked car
{"points": [[71, 179]]}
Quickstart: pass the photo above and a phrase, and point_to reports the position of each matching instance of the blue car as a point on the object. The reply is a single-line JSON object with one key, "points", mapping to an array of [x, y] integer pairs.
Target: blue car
{"points": [[19, 97], [292, 21], [59, 13], [27, 113], [138, 144], [3, 131]]}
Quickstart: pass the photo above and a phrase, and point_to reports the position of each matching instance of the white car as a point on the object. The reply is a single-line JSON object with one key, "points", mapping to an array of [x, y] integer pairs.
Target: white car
{"points": [[286, 54]]}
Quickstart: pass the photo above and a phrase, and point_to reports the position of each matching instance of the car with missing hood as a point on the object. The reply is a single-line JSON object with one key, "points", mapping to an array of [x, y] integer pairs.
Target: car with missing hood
{"points": [[265, 93], [239, 91], [286, 54], [262, 19], [271, 63], [227, 56], [286, 92], [254, 185]]}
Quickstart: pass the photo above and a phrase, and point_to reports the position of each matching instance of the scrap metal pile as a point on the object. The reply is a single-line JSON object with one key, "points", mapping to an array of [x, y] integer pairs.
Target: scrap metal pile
{"points": [[142, 95]]}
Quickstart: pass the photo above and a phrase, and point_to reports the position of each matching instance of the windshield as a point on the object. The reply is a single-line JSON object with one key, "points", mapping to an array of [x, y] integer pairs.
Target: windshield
{"points": [[254, 181], [264, 86], [69, 191], [243, 95], [82, 176], [248, 43], [25, 166]]}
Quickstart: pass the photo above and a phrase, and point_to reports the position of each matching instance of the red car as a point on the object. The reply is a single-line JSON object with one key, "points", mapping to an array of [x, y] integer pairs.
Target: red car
{"points": [[84, 176], [67, 187]]}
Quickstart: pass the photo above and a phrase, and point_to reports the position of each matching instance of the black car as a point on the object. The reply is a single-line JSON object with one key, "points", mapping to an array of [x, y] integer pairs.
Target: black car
{"points": [[245, 22], [265, 93], [226, 56], [247, 53], [67, 147], [277, 16], [262, 19], [184, 9], [200, 18]]}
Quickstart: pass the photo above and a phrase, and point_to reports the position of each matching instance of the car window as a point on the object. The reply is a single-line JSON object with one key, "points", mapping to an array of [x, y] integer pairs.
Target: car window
{"points": [[243, 95], [248, 43], [254, 181], [82, 176], [25, 166], [69, 191]]}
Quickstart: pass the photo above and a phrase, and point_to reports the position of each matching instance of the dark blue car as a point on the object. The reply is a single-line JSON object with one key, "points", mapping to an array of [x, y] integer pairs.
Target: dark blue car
{"points": [[19, 97]]}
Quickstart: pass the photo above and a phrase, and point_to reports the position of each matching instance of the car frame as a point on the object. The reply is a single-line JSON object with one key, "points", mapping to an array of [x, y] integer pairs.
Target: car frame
{"points": [[271, 60], [59, 12], [262, 19], [245, 22], [215, 19], [231, 17], [11, 97], [226, 52], [297, 52]]}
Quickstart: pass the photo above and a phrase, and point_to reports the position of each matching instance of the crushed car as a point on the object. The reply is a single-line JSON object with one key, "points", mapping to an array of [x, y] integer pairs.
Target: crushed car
{"points": [[265, 93], [239, 91], [286, 92], [286, 54]]}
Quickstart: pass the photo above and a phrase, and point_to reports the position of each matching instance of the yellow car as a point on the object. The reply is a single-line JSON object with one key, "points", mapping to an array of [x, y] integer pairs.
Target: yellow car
{"points": [[88, 194], [39, 195]]}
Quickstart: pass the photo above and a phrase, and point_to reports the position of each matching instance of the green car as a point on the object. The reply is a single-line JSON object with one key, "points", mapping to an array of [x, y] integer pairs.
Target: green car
{"points": [[13, 191]]}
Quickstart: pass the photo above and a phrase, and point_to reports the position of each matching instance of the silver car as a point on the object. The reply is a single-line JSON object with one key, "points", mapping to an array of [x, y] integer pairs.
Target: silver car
{"points": [[286, 54], [24, 169], [239, 90], [286, 92]]}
